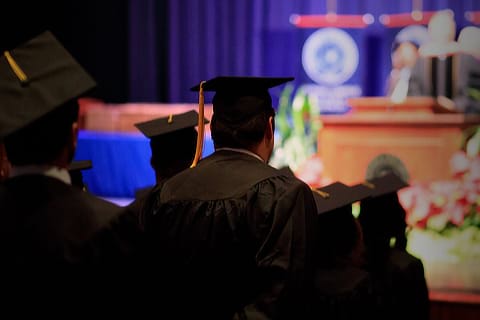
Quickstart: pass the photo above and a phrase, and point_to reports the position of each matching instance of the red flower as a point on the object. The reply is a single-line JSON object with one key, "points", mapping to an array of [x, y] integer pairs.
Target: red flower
{"points": [[311, 172], [456, 215], [417, 201]]}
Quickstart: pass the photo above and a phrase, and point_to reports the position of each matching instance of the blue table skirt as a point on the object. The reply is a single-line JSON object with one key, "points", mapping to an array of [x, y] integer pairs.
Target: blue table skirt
{"points": [[121, 162]]}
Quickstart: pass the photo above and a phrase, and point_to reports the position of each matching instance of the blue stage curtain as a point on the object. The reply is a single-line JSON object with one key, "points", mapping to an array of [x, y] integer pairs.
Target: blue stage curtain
{"points": [[120, 162], [181, 42]]}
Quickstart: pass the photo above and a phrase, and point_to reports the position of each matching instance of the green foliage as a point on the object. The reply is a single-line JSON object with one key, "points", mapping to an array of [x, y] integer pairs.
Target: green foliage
{"points": [[281, 120], [474, 93], [297, 124]]}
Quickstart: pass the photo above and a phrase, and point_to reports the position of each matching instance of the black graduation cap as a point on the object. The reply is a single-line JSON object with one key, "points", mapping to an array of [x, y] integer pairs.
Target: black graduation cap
{"points": [[241, 84], [337, 195], [75, 170], [385, 184], [363, 190], [35, 78], [238, 98], [79, 165], [175, 122]]}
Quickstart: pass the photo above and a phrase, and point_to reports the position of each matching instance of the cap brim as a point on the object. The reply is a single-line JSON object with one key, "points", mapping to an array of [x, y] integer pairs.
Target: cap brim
{"points": [[388, 183], [224, 83], [36, 78], [80, 165], [337, 195], [157, 127]]}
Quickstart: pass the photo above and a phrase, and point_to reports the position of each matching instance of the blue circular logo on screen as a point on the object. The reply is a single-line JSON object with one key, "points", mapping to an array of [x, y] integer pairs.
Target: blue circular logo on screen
{"points": [[330, 56]]}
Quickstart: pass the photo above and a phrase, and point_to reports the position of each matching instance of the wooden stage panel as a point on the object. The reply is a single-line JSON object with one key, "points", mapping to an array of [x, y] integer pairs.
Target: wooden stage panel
{"points": [[423, 141], [454, 305], [99, 116]]}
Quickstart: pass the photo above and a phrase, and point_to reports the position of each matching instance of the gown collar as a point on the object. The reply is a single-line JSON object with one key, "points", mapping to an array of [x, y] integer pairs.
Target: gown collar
{"points": [[250, 153], [50, 171]]}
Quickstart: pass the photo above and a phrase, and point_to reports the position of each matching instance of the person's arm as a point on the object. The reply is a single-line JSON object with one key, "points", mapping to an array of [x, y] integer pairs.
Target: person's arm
{"points": [[286, 255]]}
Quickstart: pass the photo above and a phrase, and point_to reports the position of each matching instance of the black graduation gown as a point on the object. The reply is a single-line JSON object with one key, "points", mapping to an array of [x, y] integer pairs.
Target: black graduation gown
{"points": [[401, 287], [343, 292], [234, 232], [141, 198], [57, 240]]}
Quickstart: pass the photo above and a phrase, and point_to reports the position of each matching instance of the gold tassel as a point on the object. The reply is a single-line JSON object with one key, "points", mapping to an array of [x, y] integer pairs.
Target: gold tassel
{"points": [[322, 194], [369, 184], [15, 67], [201, 126]]}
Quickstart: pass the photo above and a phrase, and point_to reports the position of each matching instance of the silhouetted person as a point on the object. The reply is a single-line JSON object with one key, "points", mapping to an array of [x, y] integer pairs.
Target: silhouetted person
{"points": [[343, 288], [399, 278], [173, 141], [408, 76], [57, 242]]}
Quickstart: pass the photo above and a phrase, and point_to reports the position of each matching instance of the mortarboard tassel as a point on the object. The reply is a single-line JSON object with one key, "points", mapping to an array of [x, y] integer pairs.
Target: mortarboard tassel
{"points": [[201, 120], [322, 194], [15, 67], [368, 184]]}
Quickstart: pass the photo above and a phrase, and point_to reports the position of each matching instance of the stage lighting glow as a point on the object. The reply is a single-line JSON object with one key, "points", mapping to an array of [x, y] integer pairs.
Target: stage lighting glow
{"points": [[368, 18], [417, 15]]}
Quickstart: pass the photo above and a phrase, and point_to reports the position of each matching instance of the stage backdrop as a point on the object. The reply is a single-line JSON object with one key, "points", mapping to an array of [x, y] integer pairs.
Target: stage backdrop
{"points": [[153, 51], [177, 43]]}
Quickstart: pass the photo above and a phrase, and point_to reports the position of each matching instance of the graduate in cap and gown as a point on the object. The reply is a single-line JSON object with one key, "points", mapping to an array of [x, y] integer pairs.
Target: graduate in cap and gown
{"points": [[173, 141], [343, 287], [235, 236], [399, 280], [54, 237]]}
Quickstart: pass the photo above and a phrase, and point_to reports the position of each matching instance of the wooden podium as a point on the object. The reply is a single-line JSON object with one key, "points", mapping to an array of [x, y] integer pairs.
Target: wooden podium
{"points": [[416, 131]]}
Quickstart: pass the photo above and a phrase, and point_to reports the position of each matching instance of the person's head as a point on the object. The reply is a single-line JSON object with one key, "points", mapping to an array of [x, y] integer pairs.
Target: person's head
{"points": [[172, 141], [246, 133], [404, 55], [39, 84], [243, 115], [382, 216], [50, 140], [382, 219], [340, 238], [173, 152]]}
